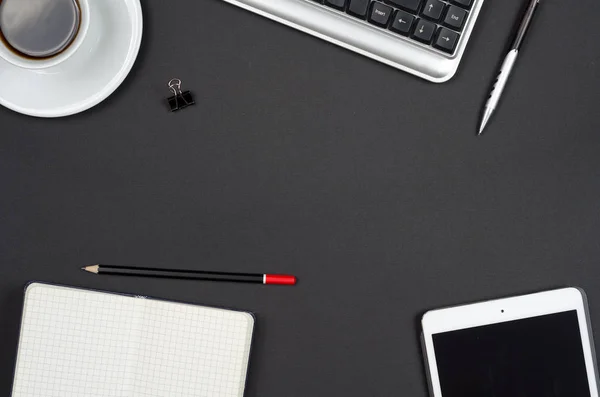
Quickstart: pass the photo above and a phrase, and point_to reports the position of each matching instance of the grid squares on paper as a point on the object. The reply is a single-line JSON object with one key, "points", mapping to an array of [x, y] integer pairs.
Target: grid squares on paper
{"points": [[193, 351], [84, 343]]}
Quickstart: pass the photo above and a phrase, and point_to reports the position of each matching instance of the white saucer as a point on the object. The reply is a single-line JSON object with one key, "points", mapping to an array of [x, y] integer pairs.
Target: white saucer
{"points": [[87, 77]]}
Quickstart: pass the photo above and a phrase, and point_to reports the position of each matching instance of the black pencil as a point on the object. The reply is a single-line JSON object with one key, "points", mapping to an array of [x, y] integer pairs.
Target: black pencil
{"points": [[255, 278]]}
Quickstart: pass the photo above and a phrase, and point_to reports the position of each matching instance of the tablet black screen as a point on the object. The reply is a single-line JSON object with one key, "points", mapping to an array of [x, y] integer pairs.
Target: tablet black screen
{"points": [[535, 357]]}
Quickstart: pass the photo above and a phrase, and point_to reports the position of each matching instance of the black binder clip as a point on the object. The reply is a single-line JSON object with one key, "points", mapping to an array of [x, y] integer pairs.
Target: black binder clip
{"points": [[180, 100]]}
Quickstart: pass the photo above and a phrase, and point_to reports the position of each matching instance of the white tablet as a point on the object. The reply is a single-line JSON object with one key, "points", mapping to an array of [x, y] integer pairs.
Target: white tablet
{"points": [[536, 345]]}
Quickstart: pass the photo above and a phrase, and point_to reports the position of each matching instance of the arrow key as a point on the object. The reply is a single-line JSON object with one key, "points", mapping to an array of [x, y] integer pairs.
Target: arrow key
{"points": [[433, 10], [424, 31], [402, 23], [446, 40]]}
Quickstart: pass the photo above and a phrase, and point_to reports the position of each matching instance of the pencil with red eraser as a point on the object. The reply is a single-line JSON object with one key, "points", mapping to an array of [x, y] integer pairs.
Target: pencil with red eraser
{"points": [[134, 271]]}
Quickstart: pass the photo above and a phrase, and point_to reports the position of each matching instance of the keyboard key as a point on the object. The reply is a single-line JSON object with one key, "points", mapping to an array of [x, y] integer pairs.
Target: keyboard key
{"points": [[339, 4], [433, 9], [380, 14], [408, 5], [446, 40], [424, 31], [359, 8], [402, 23], [463, 3], [455, 18]]}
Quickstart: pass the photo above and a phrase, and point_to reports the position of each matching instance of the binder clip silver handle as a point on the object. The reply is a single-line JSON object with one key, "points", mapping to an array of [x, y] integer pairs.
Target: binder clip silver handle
{"points": [[180, 99]]}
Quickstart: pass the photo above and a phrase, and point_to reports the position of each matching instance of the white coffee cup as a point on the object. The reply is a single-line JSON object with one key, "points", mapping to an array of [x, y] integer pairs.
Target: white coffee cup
{"points": [[29, 63]]}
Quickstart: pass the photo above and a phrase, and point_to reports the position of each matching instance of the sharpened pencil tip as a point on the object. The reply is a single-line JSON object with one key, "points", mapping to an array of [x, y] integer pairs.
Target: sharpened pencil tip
{"points": [[91, 268]]}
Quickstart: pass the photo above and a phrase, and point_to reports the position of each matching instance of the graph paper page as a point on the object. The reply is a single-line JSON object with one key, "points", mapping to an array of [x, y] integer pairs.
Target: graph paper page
{"points": [[85, 343]]}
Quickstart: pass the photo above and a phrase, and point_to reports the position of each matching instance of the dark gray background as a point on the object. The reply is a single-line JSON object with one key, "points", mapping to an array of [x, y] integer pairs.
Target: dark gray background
{"points": [[300, 157]]}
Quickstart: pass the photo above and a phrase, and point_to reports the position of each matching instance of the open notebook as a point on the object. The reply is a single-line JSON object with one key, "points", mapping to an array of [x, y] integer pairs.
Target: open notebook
{"points": [[82, 343]]}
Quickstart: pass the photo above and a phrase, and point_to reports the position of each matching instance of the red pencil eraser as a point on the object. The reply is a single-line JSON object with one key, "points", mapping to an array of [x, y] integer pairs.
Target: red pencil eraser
{"points": [[280, 279]]}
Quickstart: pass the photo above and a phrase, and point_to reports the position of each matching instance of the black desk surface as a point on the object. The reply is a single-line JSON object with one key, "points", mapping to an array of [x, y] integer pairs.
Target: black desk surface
{"points": [[300, 157]]}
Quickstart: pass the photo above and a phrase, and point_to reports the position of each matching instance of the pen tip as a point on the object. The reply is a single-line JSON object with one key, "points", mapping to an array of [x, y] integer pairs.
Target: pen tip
{"points": [[485, 119]]}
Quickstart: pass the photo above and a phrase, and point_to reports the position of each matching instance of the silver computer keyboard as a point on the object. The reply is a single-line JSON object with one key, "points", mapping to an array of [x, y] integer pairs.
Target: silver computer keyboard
{"points": [[424, 37]]}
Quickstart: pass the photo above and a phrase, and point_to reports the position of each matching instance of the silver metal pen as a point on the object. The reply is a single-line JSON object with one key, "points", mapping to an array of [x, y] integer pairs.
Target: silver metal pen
{"points": [[507, 66]]}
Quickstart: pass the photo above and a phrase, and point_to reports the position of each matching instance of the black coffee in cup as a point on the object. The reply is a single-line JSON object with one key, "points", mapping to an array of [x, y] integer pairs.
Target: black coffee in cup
{"points": [[39, 29]]}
